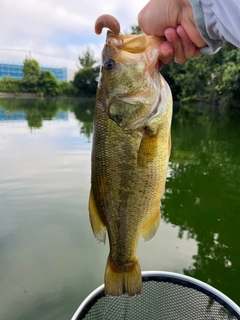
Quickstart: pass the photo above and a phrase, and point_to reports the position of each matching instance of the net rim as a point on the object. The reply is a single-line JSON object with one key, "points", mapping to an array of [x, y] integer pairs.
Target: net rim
{"points": [[175, 278]]}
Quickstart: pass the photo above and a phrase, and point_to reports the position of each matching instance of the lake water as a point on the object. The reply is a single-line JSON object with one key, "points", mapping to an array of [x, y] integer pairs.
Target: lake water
{"points": [[49, 258]]}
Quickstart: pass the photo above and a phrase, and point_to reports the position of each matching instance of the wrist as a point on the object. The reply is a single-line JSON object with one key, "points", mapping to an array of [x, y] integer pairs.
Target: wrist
{"points": [[189, 24]]}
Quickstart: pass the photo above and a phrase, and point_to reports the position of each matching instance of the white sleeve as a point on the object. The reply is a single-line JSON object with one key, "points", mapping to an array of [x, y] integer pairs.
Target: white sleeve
{"points": [[218, 22]]}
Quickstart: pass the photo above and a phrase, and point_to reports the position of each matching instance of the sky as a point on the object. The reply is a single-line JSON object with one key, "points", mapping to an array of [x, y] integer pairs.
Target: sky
{"points": [[56, 32]]}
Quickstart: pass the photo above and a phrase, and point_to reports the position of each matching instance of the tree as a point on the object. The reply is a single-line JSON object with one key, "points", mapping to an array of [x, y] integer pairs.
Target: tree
{"points": [[85, 81], [84, 113], [67, 88], [87, 59], [8, 84], [48, 84], [209, 78], [227, 77], [31, 71], [30, 67], [136, 30]]}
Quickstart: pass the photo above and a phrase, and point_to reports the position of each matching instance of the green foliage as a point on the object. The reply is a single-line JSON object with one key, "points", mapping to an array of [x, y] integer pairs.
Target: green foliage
{"points": [[202, 193], [37, 81], [136, 30], [30, 67], [192, 78], [215, 79], [8, 84], [85, 81], [31, 71], [84, 113], [67, 88], [48, 84], [229, 73], [87, 59], [175, 88], [38, 110]]}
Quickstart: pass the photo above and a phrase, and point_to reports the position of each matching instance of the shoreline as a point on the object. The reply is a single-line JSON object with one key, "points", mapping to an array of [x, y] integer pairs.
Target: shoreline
{"points": [[18, 95], [26, 95]]}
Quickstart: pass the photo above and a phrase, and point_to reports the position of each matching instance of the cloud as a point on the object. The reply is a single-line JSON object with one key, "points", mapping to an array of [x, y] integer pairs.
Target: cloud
{"points": [[58, 28]]}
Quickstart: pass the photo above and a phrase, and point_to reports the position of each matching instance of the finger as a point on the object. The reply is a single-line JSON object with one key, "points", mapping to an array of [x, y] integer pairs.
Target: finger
{"points": [[166, 52], [189, 48], [148, 19], [175, 41]]}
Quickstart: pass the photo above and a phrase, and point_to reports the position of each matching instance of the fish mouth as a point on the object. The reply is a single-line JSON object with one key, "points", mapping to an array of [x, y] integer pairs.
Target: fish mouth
{"points": [[133, 48], [140, 105], [129, 43]]}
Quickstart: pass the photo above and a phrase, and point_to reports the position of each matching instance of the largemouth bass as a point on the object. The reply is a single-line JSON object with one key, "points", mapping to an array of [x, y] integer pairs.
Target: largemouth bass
{"points": [[130, 152]]}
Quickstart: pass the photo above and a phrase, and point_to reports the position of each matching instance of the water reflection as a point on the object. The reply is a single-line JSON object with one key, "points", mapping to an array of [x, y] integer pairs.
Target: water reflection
{"points": [[49, 259], [203, 193], [35, 111], [44, 186]]}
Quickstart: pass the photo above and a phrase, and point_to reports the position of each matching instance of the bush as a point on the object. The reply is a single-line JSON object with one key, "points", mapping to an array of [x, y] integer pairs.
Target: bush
{"points": [[215, 79], [48, 84], [31, 71], [85, 81], [67, 88], [8, 84]]}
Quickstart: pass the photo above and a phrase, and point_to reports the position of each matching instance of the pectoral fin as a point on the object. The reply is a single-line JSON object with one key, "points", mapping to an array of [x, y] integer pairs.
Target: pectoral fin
{"points": [[98, 227], [148, 149], [151, 227]]}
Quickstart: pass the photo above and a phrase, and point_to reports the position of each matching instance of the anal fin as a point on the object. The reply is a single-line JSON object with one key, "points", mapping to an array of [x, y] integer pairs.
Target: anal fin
{"points": [[98, 227], [151, 227]]}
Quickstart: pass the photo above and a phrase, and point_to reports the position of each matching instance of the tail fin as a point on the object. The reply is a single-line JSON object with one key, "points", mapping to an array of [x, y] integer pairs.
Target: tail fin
{"points": [[121, 279]]}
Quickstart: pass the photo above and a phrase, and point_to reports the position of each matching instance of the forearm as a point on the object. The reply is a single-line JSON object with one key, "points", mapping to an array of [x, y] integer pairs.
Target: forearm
{"points": [[218, 22]]}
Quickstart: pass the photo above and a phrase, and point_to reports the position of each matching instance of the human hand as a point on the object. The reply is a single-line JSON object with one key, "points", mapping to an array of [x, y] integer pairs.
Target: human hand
{"points": [[173, 19], [178, 47]]}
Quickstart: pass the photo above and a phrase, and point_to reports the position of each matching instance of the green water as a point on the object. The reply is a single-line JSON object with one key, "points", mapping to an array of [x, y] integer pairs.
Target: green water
{"points": [[49, 259]]}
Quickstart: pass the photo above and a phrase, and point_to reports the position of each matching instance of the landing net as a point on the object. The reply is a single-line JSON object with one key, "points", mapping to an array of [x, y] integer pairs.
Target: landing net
{"points": [[165, 295]]}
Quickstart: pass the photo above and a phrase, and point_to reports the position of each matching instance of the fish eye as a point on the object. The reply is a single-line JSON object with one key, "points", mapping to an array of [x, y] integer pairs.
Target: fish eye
{"points": [[109, 64]]}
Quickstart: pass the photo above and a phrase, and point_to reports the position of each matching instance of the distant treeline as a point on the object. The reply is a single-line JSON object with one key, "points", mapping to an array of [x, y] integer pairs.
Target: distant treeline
{"points": [[213, 79], [44, 83]]}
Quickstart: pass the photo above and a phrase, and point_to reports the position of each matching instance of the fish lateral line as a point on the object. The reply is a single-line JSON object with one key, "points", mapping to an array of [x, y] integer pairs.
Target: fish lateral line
{"points": [[130, 153]]}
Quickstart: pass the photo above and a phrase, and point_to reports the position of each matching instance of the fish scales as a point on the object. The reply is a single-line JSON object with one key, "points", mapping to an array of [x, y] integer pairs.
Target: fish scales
{"points": [[130, 152]]}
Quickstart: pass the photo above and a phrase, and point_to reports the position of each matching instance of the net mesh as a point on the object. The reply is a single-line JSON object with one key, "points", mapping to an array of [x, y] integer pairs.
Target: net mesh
{"points": [[162, 299]]}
